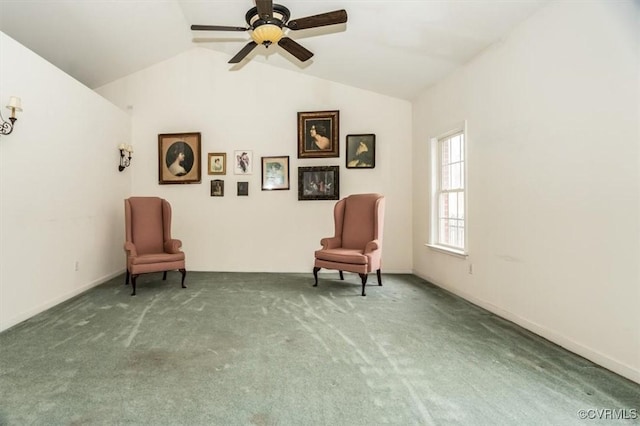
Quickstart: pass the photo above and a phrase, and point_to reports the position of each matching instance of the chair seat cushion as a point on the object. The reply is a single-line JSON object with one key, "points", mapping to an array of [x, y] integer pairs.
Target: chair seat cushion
{"points": [[157, 258], [342, 255]]}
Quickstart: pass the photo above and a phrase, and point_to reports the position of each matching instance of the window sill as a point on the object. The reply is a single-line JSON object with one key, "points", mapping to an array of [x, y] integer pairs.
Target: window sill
{"points": [[448, 250]]}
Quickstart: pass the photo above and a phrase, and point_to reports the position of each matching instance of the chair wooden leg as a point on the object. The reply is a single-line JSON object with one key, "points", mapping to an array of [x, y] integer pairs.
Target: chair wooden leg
{"points": [[133, 283], [315, 275], [364, 282], [184, 274], [126, 278], [164, 276], [341, 276], [379, 277]]}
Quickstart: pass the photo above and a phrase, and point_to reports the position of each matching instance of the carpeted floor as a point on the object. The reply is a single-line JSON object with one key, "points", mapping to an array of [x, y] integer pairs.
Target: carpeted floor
{"points": [[270, 349]]}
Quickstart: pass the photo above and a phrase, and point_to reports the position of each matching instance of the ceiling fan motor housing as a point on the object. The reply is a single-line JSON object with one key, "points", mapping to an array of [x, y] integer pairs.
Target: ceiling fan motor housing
{"points": [[267, 29]]}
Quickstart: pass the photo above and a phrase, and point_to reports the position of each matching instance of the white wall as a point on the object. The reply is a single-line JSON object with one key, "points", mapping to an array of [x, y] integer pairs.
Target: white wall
{"points": [[554, 185], [255, 108], [60, 191]]}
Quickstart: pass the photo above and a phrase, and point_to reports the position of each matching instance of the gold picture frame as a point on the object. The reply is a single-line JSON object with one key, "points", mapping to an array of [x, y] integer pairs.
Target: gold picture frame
{"points": [[179, 158], [319, 134], [217, 163]]}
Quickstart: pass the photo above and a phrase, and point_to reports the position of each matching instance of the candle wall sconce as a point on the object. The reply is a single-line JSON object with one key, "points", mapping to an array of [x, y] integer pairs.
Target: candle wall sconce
{"points": [[15, 104], [126, 152]]}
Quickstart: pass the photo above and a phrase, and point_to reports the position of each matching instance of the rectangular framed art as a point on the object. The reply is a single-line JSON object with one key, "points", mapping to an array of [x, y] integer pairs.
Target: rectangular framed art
{"points": [[243, 188], [217, 188], [361, 151], [243, 162], [217, 163], [275, 173], [179, 158], [319, 183], [318, 134]]}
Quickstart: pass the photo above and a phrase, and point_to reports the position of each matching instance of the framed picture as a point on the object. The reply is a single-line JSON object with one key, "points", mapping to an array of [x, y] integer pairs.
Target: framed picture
{"points": [[318, 134], [243, 162], [319, 183], [217, 163], [361, 151], [179, 158], [275, 173], [243, 188], [217, 188]]}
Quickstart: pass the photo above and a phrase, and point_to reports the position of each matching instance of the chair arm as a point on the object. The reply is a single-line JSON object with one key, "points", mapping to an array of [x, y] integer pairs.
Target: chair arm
{"points": [[172, 246], [130, 248], [372, 246], [329, 243]]}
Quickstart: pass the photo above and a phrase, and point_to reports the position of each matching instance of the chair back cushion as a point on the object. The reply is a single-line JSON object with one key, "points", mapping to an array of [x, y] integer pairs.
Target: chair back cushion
{"points": [[360, 224], [147, 224]]}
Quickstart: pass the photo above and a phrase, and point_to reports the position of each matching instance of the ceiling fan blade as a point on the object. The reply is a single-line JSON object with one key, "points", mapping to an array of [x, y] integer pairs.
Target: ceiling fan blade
{"points": [[216, 28], [295, 49], [265, 8], [244, 52], [329, 18]]}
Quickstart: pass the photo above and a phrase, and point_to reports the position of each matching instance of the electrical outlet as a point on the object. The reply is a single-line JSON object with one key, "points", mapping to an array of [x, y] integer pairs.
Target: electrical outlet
{"points": [[77, 265], [471, 269]]}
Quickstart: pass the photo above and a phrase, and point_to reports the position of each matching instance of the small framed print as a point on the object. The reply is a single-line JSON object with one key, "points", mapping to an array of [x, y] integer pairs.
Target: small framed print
{"points": [[179, 158], [319, 183], [217, 163], [243, 188], [318, 134], [243, 162], [217, 188], [275, 173], [361, 151]]}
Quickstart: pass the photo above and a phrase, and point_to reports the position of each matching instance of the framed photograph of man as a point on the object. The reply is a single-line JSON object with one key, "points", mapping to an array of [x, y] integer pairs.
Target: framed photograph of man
{"points": [[217, 188], [217, 163], [318, 134], [179, 158], [275, 173], [319, 183], [361, 151]]}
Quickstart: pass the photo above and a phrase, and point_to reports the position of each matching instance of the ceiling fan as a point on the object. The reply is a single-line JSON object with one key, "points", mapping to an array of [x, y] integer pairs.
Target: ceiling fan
{"points": [[267, 22]]}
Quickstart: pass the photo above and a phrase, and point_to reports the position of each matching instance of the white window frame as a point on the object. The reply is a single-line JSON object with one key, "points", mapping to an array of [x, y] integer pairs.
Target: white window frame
{"points": [[436, 189]]}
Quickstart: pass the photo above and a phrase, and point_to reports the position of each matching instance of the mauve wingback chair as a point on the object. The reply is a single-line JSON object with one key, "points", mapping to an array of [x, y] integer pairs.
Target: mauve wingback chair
{"points": [[357, 243], [148, 241]]}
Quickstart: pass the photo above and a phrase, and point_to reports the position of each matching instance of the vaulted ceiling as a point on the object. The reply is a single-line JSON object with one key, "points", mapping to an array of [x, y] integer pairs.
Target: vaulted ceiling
{"points": [[396, 47]]}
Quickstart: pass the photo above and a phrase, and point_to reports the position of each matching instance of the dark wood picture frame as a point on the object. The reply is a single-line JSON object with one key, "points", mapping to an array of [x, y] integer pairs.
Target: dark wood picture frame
{"points": [[243, 188], [319, 134], [217, 188], [275, 173], [217, 163], [179, 158], [361, 151], [319, 183]]}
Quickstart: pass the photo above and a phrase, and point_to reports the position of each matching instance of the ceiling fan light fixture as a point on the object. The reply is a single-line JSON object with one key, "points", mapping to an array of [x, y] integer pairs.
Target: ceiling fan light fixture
{"points": [[267, 34]]}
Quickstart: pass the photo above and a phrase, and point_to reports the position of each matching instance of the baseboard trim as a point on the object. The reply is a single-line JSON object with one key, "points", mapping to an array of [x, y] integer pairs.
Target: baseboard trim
{"points": [[51, 303], [551, 335]]}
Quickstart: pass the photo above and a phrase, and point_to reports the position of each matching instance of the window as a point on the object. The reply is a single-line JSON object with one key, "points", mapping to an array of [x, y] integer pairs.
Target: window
{"points": [[448, 213]]}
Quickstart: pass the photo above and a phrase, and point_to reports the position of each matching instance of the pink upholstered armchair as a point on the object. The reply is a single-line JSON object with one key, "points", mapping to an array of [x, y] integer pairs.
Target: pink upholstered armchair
{"points": [[148, 241], [357, 243]]}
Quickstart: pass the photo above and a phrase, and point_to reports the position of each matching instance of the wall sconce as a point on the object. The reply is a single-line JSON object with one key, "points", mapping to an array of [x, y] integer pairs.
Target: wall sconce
{"points": [[14, 105], [125, 159]]}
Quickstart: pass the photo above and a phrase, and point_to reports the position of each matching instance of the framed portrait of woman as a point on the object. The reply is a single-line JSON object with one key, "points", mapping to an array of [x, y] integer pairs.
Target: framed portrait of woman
{"points": [[179, 158], [217, 163], [361, 151], [318, 134]]}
